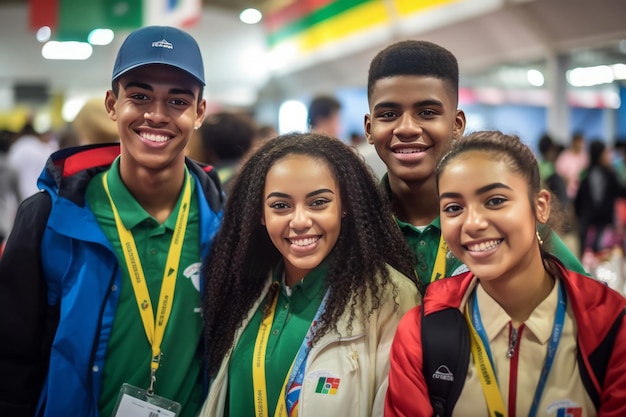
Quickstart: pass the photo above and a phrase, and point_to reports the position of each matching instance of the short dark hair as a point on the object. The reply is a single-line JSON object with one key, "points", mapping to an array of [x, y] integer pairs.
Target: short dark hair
{"points": [[414, 57], [322, 107], [228, 135]]}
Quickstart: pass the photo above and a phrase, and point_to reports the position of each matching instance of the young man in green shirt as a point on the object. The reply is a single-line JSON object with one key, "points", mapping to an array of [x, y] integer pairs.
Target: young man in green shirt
{"points": [[100, 284], [413, 94]]}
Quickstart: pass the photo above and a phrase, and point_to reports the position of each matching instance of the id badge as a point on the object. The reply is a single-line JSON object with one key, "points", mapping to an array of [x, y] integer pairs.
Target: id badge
{"points": [[134, 402]]}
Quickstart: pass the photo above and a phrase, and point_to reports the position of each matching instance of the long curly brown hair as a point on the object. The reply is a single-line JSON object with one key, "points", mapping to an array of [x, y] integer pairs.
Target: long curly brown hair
{"points": [[243, 255]]}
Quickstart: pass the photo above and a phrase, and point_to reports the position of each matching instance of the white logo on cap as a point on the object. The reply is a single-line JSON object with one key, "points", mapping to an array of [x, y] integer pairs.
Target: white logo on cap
{"points": [[162, 44]]}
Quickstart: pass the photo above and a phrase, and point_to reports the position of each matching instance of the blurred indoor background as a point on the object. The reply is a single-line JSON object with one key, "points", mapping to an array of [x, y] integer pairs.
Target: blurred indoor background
{"points": [[527, 66]]}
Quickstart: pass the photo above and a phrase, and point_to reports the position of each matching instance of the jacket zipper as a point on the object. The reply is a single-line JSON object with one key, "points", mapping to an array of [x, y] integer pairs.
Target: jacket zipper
{"points": [[513, 354]]}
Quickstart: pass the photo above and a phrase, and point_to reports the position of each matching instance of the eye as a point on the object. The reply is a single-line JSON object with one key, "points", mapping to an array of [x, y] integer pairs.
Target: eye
{"points": [[139, 96], [428, 113], [179, 102], [452, 209], [319, 202], [496, 201], [279, 205], [387, 115]]}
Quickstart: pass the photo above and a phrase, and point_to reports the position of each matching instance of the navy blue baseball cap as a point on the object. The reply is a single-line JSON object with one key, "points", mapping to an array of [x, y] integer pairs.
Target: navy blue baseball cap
{"points": [[159, 45]]}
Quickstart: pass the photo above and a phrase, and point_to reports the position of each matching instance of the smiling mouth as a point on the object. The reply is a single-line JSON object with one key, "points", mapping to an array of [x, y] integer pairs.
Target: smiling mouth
{"points": [[304, 241], [484, 246], [154, 138], [410, 150]]}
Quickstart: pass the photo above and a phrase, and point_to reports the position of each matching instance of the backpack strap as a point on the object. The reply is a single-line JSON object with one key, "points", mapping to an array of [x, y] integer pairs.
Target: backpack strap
{"points": [[599, 361], [445, 354]]}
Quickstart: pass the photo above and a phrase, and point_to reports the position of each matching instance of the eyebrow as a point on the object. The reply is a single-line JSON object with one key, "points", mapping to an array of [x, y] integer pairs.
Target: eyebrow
{"points": [[311, 194], [481, 190], [148, 87], [393, 105]]}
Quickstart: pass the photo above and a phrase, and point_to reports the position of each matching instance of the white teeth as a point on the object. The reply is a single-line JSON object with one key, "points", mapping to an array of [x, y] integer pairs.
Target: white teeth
{"points": [[484, 246], [410, 150], [304, 242], [154, 138]]}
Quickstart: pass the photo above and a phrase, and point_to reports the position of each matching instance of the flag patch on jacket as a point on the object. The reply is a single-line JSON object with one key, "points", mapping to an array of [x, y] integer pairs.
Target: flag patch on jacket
{"points": [[569, 412], [327, 385]]}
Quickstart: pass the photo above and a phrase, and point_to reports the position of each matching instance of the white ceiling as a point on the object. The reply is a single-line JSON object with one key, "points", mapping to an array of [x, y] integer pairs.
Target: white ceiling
{"points": [[482, 34]]}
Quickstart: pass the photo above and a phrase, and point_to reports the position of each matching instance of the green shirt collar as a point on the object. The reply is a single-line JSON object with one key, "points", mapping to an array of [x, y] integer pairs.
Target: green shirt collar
{"points": [[313, 283], [131, 212]]}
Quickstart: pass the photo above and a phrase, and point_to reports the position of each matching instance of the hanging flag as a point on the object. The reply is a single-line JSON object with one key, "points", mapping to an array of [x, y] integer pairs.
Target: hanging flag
{"points": [[75, 19], [312, 24]]}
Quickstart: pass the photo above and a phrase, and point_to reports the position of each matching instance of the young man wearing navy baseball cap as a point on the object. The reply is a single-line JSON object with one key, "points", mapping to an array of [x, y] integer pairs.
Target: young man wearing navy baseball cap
{"points": [[99, 281]]}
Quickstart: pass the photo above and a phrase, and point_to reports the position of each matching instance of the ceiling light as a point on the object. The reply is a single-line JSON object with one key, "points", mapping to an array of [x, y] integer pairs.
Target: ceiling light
{"points": [[590, 76], [44, 33], [535, 77], [100, 36], [66, 50], [250, 16]]}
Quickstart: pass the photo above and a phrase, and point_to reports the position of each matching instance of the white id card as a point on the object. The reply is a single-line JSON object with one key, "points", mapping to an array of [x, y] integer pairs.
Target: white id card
{"points": [[134, 402]]}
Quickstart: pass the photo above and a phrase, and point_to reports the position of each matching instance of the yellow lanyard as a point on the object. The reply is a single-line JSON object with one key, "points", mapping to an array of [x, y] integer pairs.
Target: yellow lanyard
{"points": [[439, 269], [487, 377], [258, 369], [154, 331]]}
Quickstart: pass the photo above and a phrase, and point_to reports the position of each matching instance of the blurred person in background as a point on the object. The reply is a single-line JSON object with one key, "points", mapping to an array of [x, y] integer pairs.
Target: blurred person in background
{"points": [[9, 188], [100, 277], [93, 124], [594, 203], [548, 153], [571, 163], [226, 138], [324, 115], [28, 156]]}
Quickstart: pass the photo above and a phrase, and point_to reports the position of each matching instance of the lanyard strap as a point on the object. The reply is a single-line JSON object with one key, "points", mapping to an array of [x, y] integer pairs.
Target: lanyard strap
{"points": [[295, 375], [439, 269], [154, 331], [484, 361]]}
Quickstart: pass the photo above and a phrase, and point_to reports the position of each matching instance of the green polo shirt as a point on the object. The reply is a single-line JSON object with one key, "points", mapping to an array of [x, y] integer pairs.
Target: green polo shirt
{"points": [[425, 244], [292, 319], [128, 353]]}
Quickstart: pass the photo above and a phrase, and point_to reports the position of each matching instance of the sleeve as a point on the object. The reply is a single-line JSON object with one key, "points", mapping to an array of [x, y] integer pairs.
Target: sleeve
{"points": [[407, 394], [613, 399], [407, 297], [25, 328]]}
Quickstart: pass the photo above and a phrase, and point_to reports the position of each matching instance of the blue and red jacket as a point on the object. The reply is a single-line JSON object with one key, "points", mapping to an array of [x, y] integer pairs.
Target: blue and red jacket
{"points": [[56, 276]]}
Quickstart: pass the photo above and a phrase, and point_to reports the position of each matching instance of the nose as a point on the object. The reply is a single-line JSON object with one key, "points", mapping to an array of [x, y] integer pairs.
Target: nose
{"points": [[157, 112], [408, 127], [474, 220], [300, 219]]}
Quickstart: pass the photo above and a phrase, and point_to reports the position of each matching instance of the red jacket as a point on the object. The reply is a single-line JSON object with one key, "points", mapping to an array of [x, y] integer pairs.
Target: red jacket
{"points": [[595, 308]]}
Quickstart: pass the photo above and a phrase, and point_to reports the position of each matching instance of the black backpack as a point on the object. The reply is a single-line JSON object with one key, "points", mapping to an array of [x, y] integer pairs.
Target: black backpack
{"points": [[446, 353]]}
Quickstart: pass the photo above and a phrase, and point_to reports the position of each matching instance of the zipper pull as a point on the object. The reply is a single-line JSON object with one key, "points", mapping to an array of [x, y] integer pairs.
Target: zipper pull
{"points": [[512, 343]]}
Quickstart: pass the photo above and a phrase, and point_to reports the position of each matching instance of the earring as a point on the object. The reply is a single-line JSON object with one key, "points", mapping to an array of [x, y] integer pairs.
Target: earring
{"points": [[539, 239], [344, 214]]}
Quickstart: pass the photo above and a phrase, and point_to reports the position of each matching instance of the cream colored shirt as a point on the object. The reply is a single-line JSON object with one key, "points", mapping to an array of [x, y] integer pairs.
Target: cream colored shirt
{"points": [[564, 394]]}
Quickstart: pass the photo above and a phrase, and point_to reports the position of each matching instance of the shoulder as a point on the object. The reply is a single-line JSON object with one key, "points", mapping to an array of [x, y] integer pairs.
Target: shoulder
{"points": [[210, 184]]}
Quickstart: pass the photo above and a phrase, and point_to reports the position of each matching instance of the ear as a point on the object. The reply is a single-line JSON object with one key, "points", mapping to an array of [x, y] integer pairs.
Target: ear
{"points": [[542, 206], [109, 104], [367, 127], [263, 220], [459, 124], [200, 113]]}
